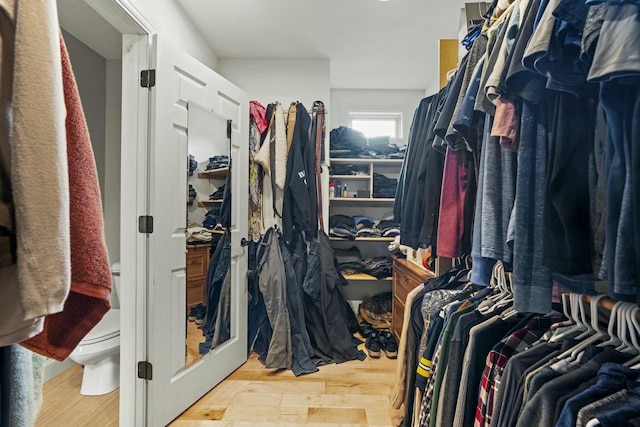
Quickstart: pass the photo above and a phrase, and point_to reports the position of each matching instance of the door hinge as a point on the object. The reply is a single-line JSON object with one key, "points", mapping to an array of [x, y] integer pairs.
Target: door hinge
{"points": [[229, 129], [145, 371], [147, 78], [145, 224]]}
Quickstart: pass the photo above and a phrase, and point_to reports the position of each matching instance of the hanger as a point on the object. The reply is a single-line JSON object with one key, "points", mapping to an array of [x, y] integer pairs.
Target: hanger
{"points": [[583, 317], [489, 303], [624, 324], [635, 362], [600, 334], [574, 304], [565, 305], [613, 317]]}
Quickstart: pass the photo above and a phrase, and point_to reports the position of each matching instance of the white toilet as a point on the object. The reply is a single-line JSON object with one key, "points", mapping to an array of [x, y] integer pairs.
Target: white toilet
{"points": [[99, 351]]}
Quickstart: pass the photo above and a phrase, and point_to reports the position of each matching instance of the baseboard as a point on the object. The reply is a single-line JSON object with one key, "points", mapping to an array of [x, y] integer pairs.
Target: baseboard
{"points": [[53, 368]]}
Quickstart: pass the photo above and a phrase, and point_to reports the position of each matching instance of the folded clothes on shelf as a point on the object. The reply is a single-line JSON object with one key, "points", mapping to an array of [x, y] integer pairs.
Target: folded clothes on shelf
{"points": [[349, 260], [342, 226], [217, 162], [218, 194], [366, 227], [384, 187], [379, 267], [348, 169]]}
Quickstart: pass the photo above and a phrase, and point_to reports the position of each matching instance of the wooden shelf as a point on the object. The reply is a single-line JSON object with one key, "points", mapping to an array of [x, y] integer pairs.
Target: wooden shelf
{"points": [[364, 239], [205, 203], [367, 277], [361, 199], [365, 161], [349, 176], [214, 174]]}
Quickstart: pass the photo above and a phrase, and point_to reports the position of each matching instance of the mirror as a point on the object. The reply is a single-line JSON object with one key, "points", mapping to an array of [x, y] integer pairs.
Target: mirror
{"points": [[208, 273]]}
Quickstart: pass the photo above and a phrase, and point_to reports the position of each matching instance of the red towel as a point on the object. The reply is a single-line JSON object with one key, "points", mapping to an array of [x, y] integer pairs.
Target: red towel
{"points": [[90, 274]]}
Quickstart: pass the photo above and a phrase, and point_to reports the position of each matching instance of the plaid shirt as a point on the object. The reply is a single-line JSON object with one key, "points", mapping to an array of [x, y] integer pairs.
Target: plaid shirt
{"points": [[497, 359], [425, 406]]}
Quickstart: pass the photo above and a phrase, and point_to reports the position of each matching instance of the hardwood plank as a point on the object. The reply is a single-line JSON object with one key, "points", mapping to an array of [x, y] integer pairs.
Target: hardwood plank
{"points": [[266, 414], [337, 415], [334, 401], [368, 389], [335, 396], [63, 405], [257, 399], [380, 416]]}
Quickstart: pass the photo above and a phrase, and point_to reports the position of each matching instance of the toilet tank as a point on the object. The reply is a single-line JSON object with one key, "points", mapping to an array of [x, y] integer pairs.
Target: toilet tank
{"points": [[115, 285]]}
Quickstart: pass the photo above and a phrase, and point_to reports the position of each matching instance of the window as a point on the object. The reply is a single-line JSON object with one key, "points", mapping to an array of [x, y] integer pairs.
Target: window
{"points": [[377, 124]]}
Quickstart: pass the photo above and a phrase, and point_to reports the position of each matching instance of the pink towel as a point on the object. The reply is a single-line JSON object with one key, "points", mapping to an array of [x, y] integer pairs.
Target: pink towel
{"points": [[90, 275]]}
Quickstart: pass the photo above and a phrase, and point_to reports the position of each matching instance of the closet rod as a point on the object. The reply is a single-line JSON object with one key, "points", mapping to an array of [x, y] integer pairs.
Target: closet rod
{"points": [[605, 302]]}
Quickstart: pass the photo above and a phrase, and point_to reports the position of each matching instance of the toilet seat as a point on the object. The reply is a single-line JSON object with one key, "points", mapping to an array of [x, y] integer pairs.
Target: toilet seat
{"points": [[107, 328]]}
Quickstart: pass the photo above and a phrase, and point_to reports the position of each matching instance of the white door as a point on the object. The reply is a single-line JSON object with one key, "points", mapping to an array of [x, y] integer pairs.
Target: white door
{"points": [[174, 385]]}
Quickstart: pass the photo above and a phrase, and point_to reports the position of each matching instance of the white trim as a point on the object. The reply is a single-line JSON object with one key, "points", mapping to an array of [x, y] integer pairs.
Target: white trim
{"points": [[133, 246], [53, 368]]}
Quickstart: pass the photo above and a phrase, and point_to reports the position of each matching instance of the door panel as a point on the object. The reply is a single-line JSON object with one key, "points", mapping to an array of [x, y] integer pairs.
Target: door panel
{"points": [[180, 79]]}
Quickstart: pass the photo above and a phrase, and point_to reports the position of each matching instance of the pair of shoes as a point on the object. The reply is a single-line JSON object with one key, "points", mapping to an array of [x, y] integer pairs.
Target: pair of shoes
{"points": [[389, 345], [197, 313], [373, 345], [365, 329], [382, 341]]}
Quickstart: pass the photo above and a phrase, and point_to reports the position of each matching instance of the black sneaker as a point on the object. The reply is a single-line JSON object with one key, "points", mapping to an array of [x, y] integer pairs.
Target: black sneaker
{"points": [[200, 315], [373, 345], [389, 345], [195, 310]]}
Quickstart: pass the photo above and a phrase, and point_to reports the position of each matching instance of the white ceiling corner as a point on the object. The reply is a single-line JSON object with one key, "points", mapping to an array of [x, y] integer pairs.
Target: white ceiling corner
{"points": [[370, 44]]}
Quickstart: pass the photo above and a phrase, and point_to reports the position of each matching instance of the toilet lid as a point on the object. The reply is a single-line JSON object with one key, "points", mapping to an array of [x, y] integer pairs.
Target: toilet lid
{"points": [[106, 328]]}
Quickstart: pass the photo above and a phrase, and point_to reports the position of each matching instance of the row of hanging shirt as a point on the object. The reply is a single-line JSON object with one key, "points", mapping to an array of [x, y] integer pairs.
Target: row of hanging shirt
{"points": [[484, 364], [527, 156]]}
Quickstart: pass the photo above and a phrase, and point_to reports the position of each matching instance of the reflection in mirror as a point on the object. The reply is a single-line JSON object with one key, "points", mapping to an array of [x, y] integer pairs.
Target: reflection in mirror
{"points": [[208, 275]]}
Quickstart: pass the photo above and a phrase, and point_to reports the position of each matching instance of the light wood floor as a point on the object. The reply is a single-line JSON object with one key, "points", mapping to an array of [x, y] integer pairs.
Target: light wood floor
{"points": [[350, 394]]}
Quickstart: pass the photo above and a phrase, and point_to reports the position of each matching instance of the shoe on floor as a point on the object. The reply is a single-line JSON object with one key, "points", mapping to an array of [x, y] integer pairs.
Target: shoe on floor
{"points": [[389, 345], [373, 345], [193, 313]]}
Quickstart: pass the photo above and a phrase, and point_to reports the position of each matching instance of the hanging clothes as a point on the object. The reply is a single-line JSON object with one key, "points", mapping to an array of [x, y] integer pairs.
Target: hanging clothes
{"points": [[31, 52], [87, 301]]}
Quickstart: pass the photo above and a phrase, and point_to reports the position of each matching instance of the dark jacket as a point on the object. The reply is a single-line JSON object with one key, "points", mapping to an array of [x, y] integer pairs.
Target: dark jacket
{"points": [[300, 199]]}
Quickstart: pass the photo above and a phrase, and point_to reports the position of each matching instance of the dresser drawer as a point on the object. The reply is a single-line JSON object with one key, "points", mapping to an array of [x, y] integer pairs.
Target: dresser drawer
{"points": [[406, 277], [397, 318], [197, 262]]}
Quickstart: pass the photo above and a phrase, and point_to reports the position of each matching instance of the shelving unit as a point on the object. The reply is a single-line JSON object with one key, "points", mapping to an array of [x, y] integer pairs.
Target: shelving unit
{"points": [[365, 277], [208, 203], [374, 207], [214, 174], [363, 239], [361, 199]]}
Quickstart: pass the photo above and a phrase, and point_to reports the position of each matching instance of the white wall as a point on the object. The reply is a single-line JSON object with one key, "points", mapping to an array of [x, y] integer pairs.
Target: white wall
{"points": [[173, 25], [90, 70], [362, 100], [284, 80]]}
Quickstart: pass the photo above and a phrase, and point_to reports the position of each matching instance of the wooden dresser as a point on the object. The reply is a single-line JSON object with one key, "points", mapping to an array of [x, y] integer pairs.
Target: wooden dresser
{"points": [[406, 277], [197, 265]]}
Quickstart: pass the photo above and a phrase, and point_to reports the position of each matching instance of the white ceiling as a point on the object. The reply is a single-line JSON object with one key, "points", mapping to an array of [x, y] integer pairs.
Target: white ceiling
{"points": [[371, 44]]}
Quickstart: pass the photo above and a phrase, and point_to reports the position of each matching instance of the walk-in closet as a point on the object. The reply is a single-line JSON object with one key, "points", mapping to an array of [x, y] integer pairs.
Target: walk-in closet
{"points": [[398, 213]]}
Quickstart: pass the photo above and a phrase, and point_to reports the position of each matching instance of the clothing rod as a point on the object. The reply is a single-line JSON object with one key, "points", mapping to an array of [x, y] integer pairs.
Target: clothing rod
{"points": [[605, 302]]}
